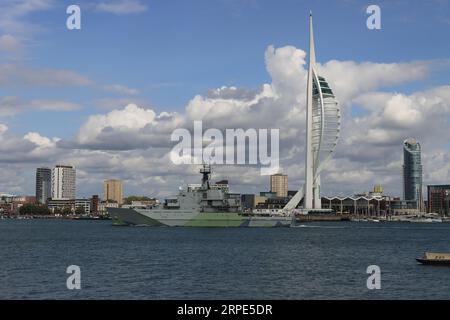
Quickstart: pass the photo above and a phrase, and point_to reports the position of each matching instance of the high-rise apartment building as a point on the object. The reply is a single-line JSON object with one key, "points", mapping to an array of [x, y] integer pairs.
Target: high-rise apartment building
{"points": [[279, 184], [112, 190], [412, 172], [63, 182], [439, 199], [43, 184]]}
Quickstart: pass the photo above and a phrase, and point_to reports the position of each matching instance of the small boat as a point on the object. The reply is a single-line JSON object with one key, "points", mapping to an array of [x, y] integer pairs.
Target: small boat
{"points": [[426, 220], [438, 259]]}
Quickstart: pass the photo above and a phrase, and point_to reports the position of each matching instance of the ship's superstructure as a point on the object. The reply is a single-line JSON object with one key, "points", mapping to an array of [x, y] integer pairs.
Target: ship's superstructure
{"points": [[204, 197]]}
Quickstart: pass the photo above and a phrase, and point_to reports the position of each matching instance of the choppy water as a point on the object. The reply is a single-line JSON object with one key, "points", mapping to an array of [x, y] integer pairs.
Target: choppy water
{"points": [[319, 261]]}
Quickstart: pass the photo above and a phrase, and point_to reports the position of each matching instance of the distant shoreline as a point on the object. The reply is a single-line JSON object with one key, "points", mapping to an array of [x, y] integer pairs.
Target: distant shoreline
{"points": [[299, 220], [32, 217]]}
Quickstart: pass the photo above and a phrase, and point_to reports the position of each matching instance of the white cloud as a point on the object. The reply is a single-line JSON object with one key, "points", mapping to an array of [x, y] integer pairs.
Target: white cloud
{"points": [[3, 128], [357, 177], [14, 8], [118, 103], [133, 142], [394, 116], [14, 25], [40, 141], [9, 43], [117, 88], [286, 66], [226, 103], [19, 158], [13, 74], [11, 105], [28, 149], [400, 112], [350, 79], [121, 7], [281, 104], [129, 128], [131, 118], [54, 105]]}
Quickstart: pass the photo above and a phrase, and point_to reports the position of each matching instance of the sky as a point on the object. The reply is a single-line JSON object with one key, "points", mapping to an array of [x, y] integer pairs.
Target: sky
{"points": [[106, 98]]}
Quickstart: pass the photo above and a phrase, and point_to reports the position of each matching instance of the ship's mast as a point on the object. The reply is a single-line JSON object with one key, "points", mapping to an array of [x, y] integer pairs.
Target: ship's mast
{"points": [[205, 171]]}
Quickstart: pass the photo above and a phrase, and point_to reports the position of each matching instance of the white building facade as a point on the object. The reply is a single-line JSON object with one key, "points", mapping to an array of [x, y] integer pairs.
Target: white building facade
{"points": [[83, 203], [63, 182]]}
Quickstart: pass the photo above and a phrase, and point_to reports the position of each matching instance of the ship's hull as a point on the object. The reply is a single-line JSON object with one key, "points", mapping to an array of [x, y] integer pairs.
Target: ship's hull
{"points": [[192, 218], [434, 262]]}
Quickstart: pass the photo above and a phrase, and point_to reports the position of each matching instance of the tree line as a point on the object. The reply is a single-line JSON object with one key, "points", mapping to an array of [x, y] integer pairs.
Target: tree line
{"points": [[129, 199], [42, 210]]}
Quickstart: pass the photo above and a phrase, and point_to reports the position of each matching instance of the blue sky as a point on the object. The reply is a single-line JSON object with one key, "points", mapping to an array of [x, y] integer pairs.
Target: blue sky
{"points": [[75, 85], [176, 49]]}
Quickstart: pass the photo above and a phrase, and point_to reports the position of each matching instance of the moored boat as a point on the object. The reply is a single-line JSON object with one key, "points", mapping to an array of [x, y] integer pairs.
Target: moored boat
{"points": [[432, 258]]}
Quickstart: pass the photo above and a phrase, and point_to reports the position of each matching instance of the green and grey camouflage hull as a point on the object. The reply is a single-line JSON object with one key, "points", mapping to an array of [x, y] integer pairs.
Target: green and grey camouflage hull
{"points": [[186, 218]]}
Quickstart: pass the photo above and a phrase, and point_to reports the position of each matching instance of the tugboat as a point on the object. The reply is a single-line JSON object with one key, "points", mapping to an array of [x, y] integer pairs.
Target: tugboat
{"points": [[437, 259]]}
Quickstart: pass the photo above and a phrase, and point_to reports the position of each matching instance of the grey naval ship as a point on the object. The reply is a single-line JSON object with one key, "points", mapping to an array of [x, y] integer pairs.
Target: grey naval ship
{"points": [[200, 206]]}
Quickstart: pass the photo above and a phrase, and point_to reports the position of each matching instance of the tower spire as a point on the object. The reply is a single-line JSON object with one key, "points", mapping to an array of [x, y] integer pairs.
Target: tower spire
{"points": [[323, 121], [309, 171], [312, 51]]}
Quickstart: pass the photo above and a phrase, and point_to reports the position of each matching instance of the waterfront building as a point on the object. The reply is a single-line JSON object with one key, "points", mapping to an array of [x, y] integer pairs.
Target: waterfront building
{"points": [[63, 183], [438, 199], [269, 195], [103, 205], [84, 203], [145, 203], [113, 191], [6, 209], [273, 203], [357, 205], [323, 122], [247, 201], [24, 199], [259, 200], [403, 207], [378, 188], [377, 191], [61, 204], [265, 200], [95, 201], [412, 172], [368, 205], [43, 184], [279, 184], [11, 204]]}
